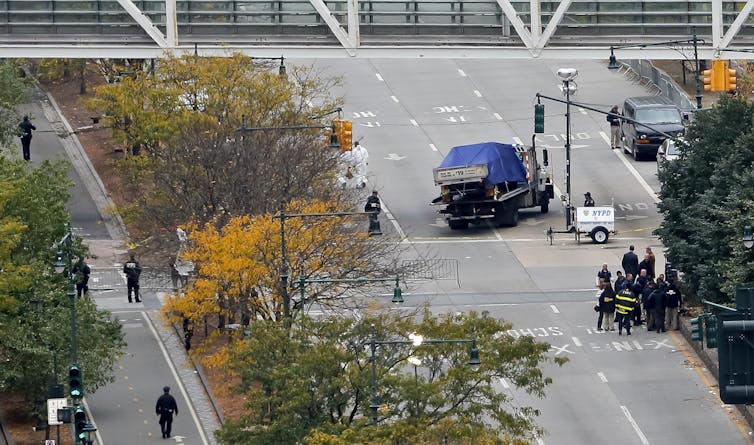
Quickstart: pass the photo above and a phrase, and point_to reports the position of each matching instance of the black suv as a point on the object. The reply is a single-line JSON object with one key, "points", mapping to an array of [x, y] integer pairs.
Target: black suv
{"points": [[658, 112]]}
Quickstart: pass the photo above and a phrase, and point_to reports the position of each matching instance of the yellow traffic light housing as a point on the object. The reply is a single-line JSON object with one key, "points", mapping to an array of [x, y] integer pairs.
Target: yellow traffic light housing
{"points": [[346, 136], [730, 79]]}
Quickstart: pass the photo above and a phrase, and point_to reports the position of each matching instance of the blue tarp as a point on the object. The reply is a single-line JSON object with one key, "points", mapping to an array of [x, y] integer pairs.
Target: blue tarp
{"points": [[502, 161]]}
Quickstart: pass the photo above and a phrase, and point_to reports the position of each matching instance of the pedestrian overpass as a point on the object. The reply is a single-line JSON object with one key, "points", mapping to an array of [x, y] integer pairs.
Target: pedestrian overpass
{"points": [[577, 29]]}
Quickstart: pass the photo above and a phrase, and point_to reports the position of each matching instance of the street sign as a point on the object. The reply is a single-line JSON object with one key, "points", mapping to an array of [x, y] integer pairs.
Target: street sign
{"points": [[53, 405]]}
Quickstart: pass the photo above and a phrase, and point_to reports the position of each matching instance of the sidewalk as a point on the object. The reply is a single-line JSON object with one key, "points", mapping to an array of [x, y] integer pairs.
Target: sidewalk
{"points": [[123, 411]]}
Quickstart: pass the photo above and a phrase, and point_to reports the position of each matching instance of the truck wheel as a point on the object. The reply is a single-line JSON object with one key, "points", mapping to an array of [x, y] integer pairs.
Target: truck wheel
{"points": [[506, 216], [456, 224], [599, 235], [545, 207]]}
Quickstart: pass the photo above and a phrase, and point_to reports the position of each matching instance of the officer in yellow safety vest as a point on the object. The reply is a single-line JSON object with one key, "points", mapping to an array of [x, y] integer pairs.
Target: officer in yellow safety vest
{"points": [[624, 306]]}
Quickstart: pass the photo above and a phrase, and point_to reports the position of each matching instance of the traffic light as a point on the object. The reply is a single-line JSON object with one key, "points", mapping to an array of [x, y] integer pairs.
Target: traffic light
{"points": [[79, 425], [75, 383], [346, 136], [730, 78], [715, 79], [696, 329], [337, 128], [710, 331], [539, 118]]}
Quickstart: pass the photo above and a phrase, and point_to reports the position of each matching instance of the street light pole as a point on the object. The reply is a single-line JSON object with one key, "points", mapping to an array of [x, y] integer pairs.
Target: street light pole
{"points": [[416, 341], [694, 40], [568, 75]]}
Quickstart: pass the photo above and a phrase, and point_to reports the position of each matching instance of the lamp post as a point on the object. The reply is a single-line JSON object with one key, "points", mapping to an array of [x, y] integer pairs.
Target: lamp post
{"points": [[694, 40], [282, 216], [64, 264], [416, 341], [397, 293], [568, 86]]}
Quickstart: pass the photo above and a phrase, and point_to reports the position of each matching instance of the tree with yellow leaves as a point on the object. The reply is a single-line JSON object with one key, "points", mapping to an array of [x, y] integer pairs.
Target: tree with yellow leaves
{"points": [[195, 162], [238, 266]]}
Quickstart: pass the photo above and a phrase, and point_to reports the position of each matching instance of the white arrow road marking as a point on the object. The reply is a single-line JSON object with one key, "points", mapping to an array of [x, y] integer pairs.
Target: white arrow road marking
{"points": [[477, 93], [461, 72], [379, 77], [576, 341], [497, 116], [395, 99], [394, 157], [602, 377], [554, 309], [413, 122], [179, 439], [432, 146]]}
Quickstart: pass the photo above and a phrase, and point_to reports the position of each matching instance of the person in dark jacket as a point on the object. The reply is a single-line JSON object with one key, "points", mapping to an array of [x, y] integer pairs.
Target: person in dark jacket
{"points": [[620, 281], [630, 262], [607, 307], [672, 305], [646, 264], [615, 130], [645, 294], [26, 127], [132, 269], [81, 272], [588, 201], [659, 297], [604, 274], [165, 408]]}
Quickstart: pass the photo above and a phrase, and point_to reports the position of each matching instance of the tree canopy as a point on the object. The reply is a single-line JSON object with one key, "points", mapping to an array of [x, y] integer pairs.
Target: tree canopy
{"points": [[312, 384], [35, 318], [188, 124], [707, 200]]}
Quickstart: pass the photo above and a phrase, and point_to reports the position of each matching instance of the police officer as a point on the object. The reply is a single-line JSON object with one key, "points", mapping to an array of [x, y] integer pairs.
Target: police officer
{"points": [[588, 201], [81, 272], [132, 269], [624, 306], [26, 127], [165, 408]]}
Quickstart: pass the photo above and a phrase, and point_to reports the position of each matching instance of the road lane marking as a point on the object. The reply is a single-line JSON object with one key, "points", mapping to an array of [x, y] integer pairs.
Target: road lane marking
{"points": [[554, 309], [576, 341], [504, 383], [642, 182], [379, 77], [432, 146], [633, 423], [461, 72], [477, 93], [602, 377], [178, 380], [497, 116], [395, 99], [413, 122]]}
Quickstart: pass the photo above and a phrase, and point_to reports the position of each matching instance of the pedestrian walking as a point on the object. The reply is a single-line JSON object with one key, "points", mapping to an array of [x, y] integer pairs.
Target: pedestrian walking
{"points": [[132, 269], [26, 127], [374, 207], [607, 307], [630, 262], [588, 201], [81, 272], [624, 305], [672, 304], [615, 129], [165, 408]]}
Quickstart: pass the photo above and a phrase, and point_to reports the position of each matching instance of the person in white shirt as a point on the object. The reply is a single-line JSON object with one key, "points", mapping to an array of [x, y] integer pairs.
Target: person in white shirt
{"points": [[360, 161]]}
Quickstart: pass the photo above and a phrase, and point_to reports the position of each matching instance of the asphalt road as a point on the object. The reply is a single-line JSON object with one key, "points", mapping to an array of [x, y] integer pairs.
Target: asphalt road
{"points": [[643, 389]]}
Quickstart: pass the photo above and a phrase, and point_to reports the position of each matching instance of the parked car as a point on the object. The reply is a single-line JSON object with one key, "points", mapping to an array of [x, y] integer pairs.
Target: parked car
{"points": [[659, 113], [668, 152]]}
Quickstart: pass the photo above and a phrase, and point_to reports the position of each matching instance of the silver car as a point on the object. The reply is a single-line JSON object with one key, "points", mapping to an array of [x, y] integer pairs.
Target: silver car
{"points": [[668, 152]]}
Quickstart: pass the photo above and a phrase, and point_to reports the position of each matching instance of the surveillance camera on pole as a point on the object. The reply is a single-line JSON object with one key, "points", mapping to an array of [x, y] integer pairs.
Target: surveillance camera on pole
{"points": [[567, 74]]}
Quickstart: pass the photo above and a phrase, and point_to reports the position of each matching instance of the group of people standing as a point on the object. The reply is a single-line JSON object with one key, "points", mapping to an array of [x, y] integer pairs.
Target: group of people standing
{"points": [[638, 292]]}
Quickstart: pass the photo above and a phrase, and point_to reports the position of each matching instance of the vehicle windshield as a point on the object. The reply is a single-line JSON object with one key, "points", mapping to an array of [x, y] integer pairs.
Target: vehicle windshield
{"points": [[659, 116], [673, 149]]}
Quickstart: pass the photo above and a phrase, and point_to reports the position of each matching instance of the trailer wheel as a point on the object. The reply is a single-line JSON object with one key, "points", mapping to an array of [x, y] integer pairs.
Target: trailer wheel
{"points": [[458, 224], [599, 235]]}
